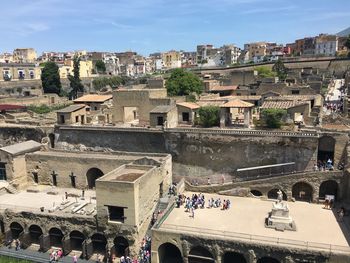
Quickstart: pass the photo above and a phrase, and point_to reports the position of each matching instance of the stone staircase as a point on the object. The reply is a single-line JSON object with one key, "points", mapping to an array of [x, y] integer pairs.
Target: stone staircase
{"points": [[11, 189]]}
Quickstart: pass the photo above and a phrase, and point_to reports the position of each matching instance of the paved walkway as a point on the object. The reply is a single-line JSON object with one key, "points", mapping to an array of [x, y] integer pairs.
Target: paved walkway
{"points": [[35, 256], [247, 216]]}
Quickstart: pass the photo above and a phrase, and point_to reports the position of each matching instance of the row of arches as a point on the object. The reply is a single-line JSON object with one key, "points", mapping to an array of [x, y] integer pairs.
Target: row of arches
{"points": [[169, 253], [303, 191], [75, 240]]}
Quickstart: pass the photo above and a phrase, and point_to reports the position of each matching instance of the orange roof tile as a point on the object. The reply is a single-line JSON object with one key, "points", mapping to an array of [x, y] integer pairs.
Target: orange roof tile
{"points": [[93, 98], [237, 103], [189, 105]]}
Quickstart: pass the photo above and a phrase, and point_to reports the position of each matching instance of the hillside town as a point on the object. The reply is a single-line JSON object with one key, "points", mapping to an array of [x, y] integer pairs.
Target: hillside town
{"points": [[216, 155]]}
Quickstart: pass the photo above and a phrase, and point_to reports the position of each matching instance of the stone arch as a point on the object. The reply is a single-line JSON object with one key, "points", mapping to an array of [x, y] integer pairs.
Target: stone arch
{"points": [[92, 175], [52, 139], [272, 194], [76, 240], [169, 253], [235, 257], [121, 246], [329, 187], [256, 192], [35, 232], [16, 229], [302, 191], [268, 260], [99, 243], [200, 254], [56, 237], [326, 146]]}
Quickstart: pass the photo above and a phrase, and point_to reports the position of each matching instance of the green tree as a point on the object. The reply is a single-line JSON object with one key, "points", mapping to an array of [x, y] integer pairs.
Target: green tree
{"points": [[209, 116], [280, 69], [347, 45], [182, 83], [100, 66], [75, 81], [50, 78], [265, 72], [273, 117], [102, 82]]}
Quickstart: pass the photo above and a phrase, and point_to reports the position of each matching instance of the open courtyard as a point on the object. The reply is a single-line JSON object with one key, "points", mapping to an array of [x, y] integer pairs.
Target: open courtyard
{"points": [[245, 220]]}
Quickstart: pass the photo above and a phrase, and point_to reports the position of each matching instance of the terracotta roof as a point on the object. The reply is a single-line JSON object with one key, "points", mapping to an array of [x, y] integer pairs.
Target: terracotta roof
{"points": [[210, 103], [281, 104], [245, 97], [189, 105], [93, 98], [237, 103], [294, 97], [223, 88]]}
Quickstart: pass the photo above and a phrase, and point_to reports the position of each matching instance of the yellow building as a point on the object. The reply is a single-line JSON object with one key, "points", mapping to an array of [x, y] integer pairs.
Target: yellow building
{"points": [[24, 55], [67, 69], [171, 59], [16, 71], [257, 51]]}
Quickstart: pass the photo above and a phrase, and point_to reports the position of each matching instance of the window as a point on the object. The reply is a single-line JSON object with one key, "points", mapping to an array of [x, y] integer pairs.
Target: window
{"points": [[160, 120], [76, 118], [295, 92], [62, 119], [116, 213], [2, 171], [36, 177], [185, 116]]}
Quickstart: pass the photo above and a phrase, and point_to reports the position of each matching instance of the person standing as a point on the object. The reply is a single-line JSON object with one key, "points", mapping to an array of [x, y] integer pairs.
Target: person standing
{"points": [[75, 258]]}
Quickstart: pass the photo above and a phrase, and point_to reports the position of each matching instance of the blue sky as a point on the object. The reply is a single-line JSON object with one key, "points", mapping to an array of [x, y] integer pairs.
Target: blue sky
{"points": [[149, 26]]}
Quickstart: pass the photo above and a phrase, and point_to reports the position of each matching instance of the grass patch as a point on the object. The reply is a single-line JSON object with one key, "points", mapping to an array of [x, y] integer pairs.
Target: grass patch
{"points": [[43, 108]]}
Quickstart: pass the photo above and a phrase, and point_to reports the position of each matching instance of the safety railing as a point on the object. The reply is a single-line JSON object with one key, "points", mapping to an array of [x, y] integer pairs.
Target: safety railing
{"points": [[245, 132], [305, 245]]}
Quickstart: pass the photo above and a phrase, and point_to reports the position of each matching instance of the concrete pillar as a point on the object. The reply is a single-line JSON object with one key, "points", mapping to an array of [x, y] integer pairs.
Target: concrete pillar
{"points": [[316, 190], [247, 117], [251, 256], [222, 117], [218, 253]]}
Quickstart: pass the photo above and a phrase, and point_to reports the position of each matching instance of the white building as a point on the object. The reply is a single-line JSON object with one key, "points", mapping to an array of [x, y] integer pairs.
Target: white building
{"points": [[326, 45]]}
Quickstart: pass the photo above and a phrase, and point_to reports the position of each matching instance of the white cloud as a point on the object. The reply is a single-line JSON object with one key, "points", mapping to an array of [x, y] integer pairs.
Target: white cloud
{"points": [[268, 10]]}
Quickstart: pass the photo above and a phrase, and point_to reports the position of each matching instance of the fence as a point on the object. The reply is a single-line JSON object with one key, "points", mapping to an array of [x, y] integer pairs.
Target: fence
{"points": [[305, 245], [245, 132]]}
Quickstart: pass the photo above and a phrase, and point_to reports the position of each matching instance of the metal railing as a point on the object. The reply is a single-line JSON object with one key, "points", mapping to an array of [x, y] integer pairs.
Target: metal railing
{"points": [[310, 134], [245, 132], [305, 245]]}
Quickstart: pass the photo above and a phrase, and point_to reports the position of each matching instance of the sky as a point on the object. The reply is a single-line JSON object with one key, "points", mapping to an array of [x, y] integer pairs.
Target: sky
{"points": [[148, 26]]}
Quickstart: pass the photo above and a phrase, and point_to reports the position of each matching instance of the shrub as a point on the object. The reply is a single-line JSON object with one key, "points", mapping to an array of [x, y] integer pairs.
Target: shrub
{"points": [[273, 117], [209, 116]]}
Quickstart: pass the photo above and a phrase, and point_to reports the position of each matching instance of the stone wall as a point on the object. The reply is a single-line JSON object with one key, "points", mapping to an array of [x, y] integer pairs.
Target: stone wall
{"points": [[251, 251], [14, 134], [203, 152]]}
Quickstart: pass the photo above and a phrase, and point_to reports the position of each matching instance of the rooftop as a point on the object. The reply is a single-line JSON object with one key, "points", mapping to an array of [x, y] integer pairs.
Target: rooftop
{"points": [[223, 88], [71, 108], [53, 201], [281, 104], [22, 147], [247, 216], [237, 103], [93, 98], [162, 109], [126, 173], [190, 105]]}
